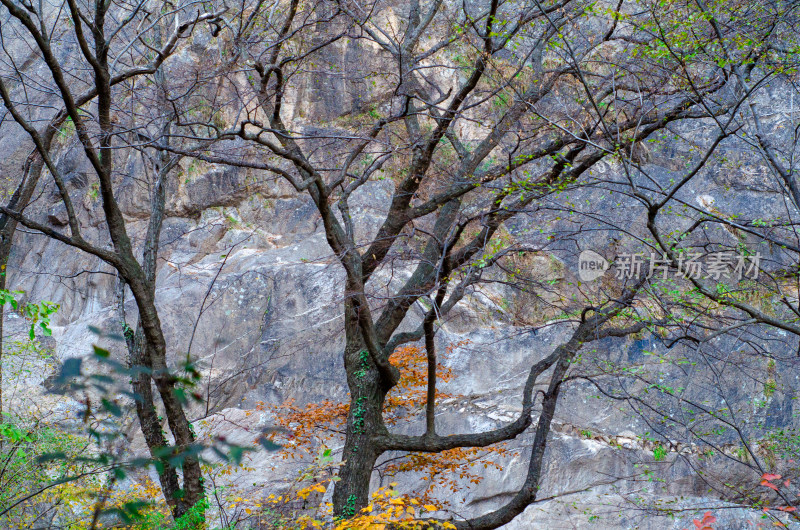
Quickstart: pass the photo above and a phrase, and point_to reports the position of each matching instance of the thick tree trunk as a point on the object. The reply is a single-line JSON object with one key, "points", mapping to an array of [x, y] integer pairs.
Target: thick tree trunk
{"points": [[194, 492], [351, 492], [155, 439], [149, 422]]}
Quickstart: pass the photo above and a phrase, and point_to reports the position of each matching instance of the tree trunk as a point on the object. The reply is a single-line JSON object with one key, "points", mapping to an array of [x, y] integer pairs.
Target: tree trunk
{"points": [[194, 492], [149, 423], [364, 420], [145, 352]]}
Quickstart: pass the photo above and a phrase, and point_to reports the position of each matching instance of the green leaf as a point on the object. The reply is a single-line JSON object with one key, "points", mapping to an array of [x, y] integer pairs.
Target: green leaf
{"points": [[269, 445], [112, 407], [49, 457], [71, 368]]}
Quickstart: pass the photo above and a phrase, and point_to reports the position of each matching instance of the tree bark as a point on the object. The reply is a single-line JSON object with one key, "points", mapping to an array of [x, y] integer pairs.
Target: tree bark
{"points": [[367, 394], [151, 426]]}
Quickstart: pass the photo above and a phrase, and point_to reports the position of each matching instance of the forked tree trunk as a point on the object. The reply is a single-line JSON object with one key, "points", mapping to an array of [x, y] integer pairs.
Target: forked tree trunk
{"points": [[141, 354]]}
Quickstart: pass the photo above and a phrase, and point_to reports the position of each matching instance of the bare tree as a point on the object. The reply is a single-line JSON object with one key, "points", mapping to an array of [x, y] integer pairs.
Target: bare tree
{"points": [[477, 127], [727, 337], [482, 115], [117, 52]]}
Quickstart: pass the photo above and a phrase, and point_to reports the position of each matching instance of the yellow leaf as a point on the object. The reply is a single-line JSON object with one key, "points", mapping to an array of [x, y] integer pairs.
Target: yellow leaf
{"points": [[431, 508]]}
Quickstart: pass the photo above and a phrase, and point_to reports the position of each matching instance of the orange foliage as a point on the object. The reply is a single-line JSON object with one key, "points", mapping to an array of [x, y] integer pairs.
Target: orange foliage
{"points": [[317, 424], [442, 469], [411, 393], [388, 509], [706, 523], [311, 426]]}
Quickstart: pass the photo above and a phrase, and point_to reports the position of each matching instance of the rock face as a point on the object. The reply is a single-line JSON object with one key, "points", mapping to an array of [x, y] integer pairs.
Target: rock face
{"points": [[248, 286], [247, 280]]}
